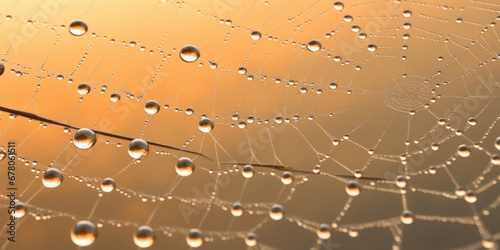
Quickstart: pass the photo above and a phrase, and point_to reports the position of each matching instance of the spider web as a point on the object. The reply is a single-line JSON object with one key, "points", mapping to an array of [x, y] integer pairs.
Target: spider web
{"points": [[394, 90]]}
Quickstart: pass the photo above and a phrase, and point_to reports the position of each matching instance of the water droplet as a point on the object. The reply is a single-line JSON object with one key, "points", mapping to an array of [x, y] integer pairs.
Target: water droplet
{"points": [[497, 143], [358, 173], [2, 69], [353, 188], [276, 212], [353, 232], [205, 125], [372, 47], [84, 138], [242, 70], [237, 209], [144, 237], [472, 121], [78, 28], [287, 178], [251, 239], [194, 238], [189, 53], [314, 45], [20, 210], [108, 185], [52, 178], [242, 124], [114, 97], [83, 89], [347, 18], [189, 111], [338, 5], [488, 242], [184, 166], [401, 181], [84, 233], [407, 217], [463, 150], [407, 13], [248, 171], [355, 28], [460, 191], [251, 119], [152, 107], [470, 196], [495, 159], [138, 148], [324, 232], [278, 119], [255, 35], [432, 169]]}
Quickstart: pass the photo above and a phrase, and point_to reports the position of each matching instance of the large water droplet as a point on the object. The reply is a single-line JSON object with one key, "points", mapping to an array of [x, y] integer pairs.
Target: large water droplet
{"points": [[52, 178], [189, 53], [78, 28], [84, 138], [205, 125], [194, 238], [138, 148], [314, 45], [144, 237], [84, 233], [184, 166]]}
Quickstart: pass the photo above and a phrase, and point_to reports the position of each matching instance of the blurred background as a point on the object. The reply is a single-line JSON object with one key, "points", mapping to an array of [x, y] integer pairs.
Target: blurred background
{"points": [[369, 99]]}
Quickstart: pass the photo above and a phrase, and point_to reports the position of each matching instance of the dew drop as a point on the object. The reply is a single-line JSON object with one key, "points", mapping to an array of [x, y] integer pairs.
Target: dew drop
{"points": [[152, 107], [401, 181], [52, 178], [205, 125], [470, 196], [83, 89], [314, 45], [78, 28], [372, 47], [84, 138], [251, 239], [287, 178], [184, 166], [237, 209], [138, 148], [114, 97], [463, 150], [407, 217], [324, 232], [248, 171], [338, 5], [276, 212], [108, 185], [20, 210], [84, 233], [194, 238], [189, 53], [353, 188], [144, 237], [255, 35]]}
